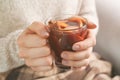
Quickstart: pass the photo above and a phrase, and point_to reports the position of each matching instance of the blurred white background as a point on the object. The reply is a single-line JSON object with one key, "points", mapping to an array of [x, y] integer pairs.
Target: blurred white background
{"points": [[108, 39]]}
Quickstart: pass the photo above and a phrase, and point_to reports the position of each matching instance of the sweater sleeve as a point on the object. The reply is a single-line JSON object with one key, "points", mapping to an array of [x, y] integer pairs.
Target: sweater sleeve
{"points": [[9, 52], [88, 10]]}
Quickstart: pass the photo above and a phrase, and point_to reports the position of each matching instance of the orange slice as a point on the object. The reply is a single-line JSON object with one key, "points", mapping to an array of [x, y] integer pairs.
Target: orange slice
{"points": [[61, 24]]}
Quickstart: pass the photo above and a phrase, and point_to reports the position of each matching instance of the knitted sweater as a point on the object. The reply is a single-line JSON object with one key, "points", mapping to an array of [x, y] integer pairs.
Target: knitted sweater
{"points": [[16, 15]]}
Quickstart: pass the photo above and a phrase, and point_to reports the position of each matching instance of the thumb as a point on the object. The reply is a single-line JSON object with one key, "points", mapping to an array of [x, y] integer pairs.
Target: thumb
{"points": [[85, 44], [37, 28], [90, 41]]}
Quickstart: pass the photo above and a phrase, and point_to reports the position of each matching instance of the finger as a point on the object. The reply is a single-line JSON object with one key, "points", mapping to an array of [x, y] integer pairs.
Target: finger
{"points": [[32, 40], [38, 28], [44, 61], [117, 77], [91, 25], [102, 77], [34, 52], [41, 68], [76, 55], [90, 41], [75, 63]]}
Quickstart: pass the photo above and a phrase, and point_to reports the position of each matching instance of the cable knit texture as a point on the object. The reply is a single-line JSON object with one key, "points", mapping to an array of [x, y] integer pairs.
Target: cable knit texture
{"points": [[16, 15]]}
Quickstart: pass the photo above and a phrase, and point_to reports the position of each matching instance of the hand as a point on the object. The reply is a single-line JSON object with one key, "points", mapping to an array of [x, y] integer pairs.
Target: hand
{"points": [[34, 48], [82, 49]]}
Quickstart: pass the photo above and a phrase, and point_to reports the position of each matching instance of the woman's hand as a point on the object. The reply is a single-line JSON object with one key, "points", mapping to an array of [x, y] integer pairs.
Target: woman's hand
{"points": [[34, 48], [83, 49]]}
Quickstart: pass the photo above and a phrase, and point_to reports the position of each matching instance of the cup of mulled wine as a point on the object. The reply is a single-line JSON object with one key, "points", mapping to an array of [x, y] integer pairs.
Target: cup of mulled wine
{"points": [[64, 32]]}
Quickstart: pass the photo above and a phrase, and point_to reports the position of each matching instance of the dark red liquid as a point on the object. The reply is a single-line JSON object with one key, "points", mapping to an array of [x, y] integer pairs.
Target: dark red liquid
{"points": [[61, 40], [64, 33]]}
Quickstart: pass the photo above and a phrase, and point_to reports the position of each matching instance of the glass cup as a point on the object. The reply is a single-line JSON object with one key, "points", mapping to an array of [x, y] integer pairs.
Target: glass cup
{"points": [[65, 30]]}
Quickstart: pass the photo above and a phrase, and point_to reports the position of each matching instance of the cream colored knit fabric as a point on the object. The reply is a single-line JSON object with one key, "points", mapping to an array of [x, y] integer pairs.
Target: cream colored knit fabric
{"points": [[16, 15]]}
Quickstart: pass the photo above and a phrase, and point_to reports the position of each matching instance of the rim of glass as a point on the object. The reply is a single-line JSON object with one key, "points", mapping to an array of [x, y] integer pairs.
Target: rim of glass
{"points": [[71, 29], [69, 15]]}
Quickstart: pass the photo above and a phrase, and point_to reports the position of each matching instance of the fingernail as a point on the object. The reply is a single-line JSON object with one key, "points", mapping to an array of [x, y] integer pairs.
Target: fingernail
{"points": [[64, 62], [63, 55], [45, 34], [76, 47]]}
